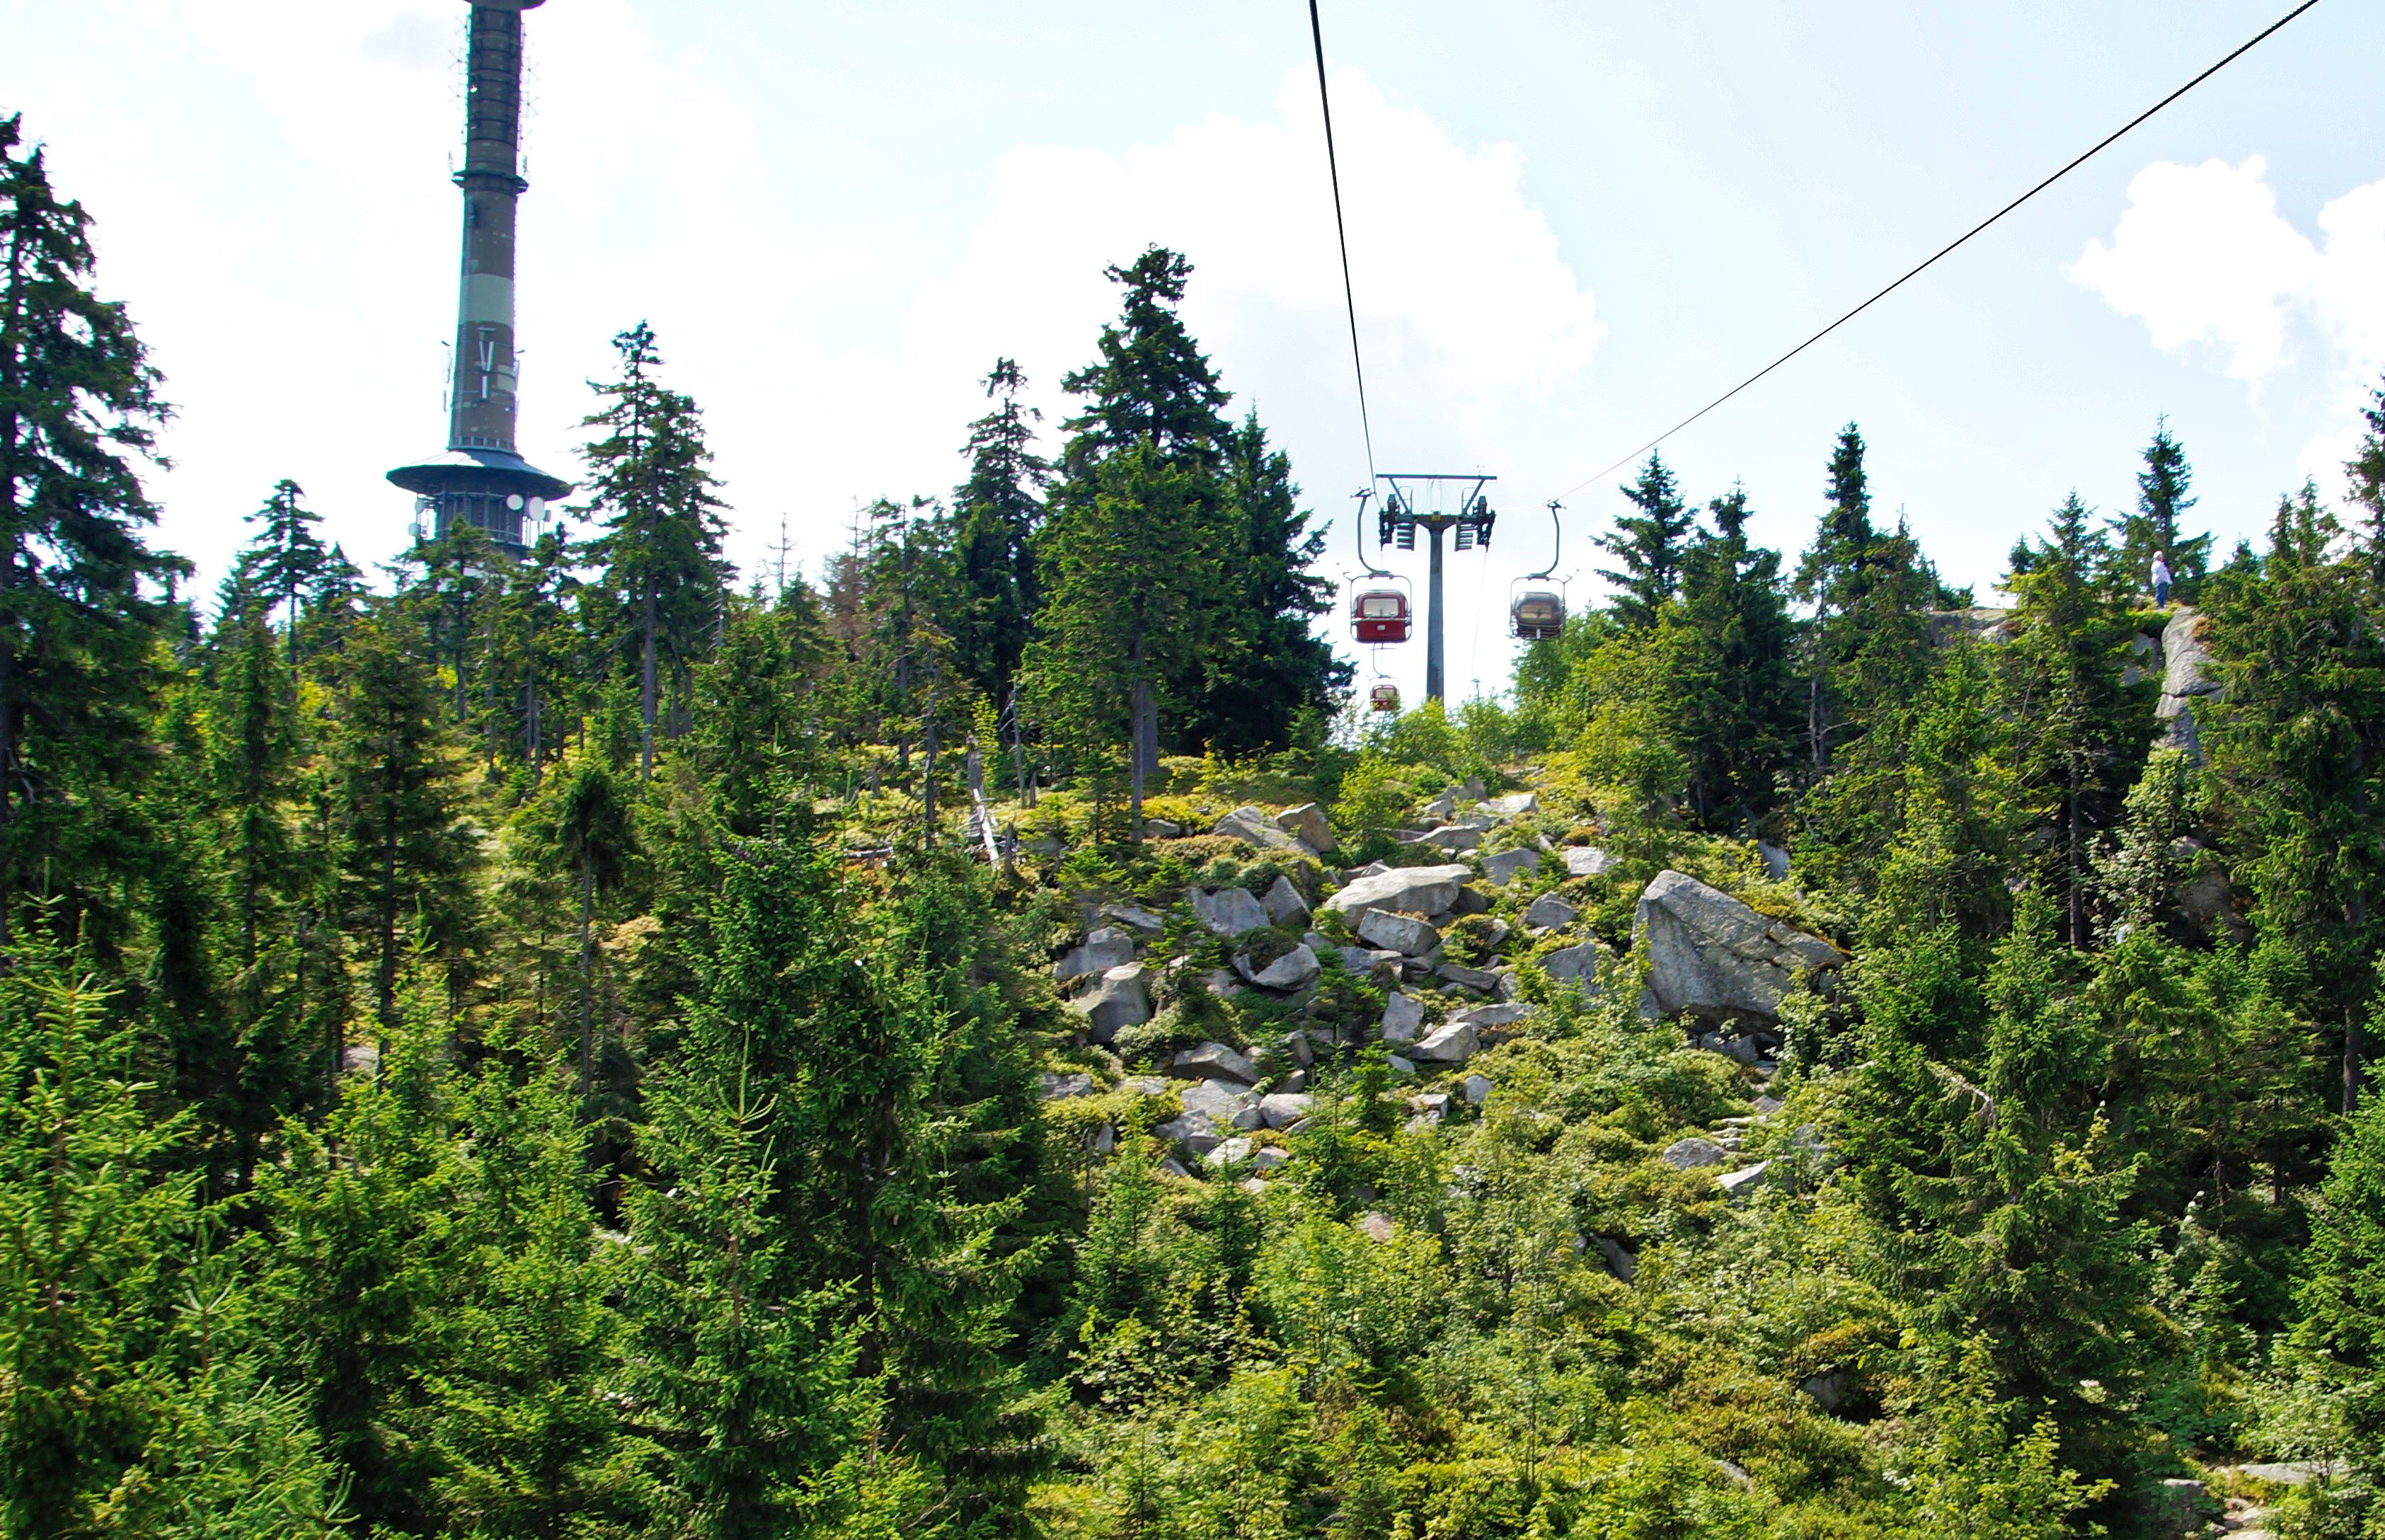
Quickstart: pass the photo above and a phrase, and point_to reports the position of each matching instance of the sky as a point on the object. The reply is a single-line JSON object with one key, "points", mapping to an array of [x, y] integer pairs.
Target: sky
{"points": [[1571, 226]]}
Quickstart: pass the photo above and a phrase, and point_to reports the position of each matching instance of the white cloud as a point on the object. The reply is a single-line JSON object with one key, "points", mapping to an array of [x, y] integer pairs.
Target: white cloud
{"points": [[1465, 305], [2202, 257]]}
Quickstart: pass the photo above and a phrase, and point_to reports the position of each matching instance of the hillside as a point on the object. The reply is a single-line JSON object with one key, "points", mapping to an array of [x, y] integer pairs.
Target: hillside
{"points": [[1004, 1040]]}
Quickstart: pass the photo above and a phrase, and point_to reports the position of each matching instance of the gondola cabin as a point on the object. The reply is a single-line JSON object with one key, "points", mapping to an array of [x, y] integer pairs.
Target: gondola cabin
{"points": [[1378, 615], [1384, 697], [1536, 615]]}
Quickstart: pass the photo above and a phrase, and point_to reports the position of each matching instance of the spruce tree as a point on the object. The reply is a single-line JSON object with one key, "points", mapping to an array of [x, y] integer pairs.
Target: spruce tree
{"points": [[584, 827], [2154, 529], [523, 1413], [1126, 562], [758, 721], [1263, 667], [1650, 544], [242, 814], [664, 575], [1152, 391], [285, 559], [995, 514], [2080, 735], [533, 665], [2343, 1291], [404, 851], [2366, 474], [1998, 1196], [1152, 384], [1868, 646], [1732, 659], [89, 1242], [79, 619], [131, 1402], [746, 1236], [355, 1214], [2299, 745]]}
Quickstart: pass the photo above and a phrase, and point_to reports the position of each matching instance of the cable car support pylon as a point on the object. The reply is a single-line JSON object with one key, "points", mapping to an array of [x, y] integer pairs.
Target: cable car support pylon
{"points": [[1468, 512]]}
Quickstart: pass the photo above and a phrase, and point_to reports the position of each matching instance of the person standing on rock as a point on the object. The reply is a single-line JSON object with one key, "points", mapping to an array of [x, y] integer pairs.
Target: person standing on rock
{"points": [[2161, 581]]}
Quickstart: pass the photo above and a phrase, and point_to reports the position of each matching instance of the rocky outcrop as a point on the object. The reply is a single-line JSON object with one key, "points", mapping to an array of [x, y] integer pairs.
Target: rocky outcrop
{"points": [[1711, 957], [1575, 964], [2189, 674], [1480, 979], [1585, 861], [1134, 918], [1453, 1044], [1286, 1108], [1743, 1181], [1402, 1017], [1502, 868], [1255, 826], [1452, 837], [1227, 911], [1549, 912], [1106, 948], [1514, 805], [1979, 623], [1408, 890], [1689, 1155], [1121, 999], [1294, 970], [1308, 824], [1213, 1061], [1284, 905], [1495, 1017], [1397, 932]]}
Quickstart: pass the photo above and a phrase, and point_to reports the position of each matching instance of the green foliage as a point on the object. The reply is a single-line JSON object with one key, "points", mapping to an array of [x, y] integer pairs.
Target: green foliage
{"points": [[661, 591], [996, 514], [79, 632], [2079, 732], [2154, 529], [1652, 544], [436, 1130]]}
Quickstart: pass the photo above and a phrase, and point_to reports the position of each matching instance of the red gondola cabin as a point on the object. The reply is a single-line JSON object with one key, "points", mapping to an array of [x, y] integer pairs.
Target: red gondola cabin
{"points": [[1378, 615], [1384, 697]]}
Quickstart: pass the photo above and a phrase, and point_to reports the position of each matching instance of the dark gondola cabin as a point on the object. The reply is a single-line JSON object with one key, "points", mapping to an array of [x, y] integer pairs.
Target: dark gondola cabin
{"points": [[1536, 615], [1384, 697], [1378, 615]]}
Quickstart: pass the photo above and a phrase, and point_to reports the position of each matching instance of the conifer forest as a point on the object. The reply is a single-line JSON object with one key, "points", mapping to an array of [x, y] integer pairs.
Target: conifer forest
{"points": [[991, 1037]]}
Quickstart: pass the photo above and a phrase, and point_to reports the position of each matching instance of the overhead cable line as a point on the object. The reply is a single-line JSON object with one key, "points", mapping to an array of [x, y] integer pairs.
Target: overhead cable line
{"points": [[1342, 228], [2099, 146]]}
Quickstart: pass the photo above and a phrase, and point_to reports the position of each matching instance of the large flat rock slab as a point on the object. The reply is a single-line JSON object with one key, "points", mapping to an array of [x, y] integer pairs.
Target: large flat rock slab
{"points": [[1406, 890], [1711, 956]]}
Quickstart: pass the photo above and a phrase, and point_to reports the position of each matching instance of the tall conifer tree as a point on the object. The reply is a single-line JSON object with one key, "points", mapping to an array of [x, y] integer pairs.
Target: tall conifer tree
{"points": [[1650, 544], [1731, 658], [995, 514], [2079, 733], [664, 573], [79, 622], [285, 558], [2155, 529]]}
